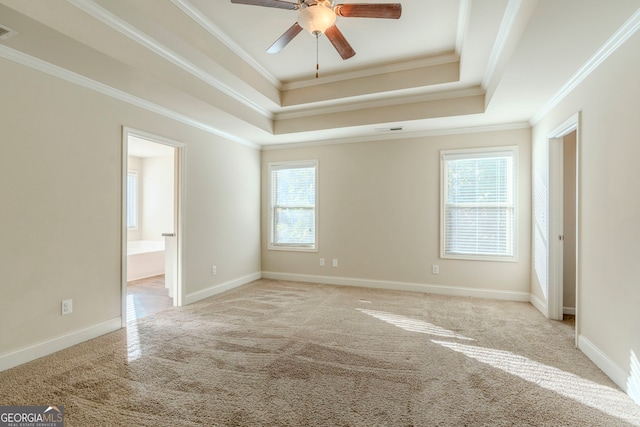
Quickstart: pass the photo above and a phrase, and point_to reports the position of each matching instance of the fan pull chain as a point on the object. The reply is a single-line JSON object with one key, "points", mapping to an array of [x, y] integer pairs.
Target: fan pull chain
{"points": [[317, 61]]}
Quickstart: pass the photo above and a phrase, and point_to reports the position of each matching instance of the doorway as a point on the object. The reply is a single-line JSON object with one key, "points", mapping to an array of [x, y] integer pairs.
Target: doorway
{"points": [[563, 280], [151, 254]]}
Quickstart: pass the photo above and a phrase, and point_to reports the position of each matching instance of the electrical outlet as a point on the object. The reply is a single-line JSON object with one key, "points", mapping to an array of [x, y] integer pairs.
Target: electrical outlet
{"points": [[214, 270], [67, 306], [321, 262], [335, 262], [435, 269]]}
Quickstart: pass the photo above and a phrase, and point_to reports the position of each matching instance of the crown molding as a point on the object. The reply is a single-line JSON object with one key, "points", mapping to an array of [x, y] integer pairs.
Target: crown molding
{"points": [[429, 61], [463, 22], [201, 19], [510, 15], [77, 79], [6, 32], [108, 18], [566, 127], [628, 29], [386, 102], [400, 135]]}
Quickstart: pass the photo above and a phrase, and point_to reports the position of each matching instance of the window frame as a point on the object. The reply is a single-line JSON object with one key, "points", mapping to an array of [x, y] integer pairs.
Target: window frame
{"points": [[475, 153], [276, 166], [136, 225]]}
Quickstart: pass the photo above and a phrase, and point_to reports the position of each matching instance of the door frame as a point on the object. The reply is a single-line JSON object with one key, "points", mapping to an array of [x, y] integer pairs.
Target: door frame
{"points": [[556, 232], [179, 214]]}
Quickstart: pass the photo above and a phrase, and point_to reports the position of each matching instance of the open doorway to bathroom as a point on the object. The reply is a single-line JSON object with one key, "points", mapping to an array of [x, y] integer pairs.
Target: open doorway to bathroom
{"points": [[151, 177]]}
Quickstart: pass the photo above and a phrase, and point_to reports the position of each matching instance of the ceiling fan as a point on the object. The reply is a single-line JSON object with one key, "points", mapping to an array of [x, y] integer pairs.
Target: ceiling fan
{"points": [[319, 17]]}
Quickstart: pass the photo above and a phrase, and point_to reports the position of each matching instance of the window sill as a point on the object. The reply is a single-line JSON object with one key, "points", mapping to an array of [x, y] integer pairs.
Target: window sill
{"points": [[480, 258], [292, 248]]}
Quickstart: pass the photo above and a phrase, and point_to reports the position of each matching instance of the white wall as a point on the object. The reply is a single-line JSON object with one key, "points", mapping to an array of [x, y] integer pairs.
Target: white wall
{"points": [[608, 208], [135, 164], [61, 186], [378, 214], [156, 209], [157, 197]]}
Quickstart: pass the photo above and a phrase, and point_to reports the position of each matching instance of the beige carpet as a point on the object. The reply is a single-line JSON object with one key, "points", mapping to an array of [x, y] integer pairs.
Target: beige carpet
{"points": [[290, 354]]}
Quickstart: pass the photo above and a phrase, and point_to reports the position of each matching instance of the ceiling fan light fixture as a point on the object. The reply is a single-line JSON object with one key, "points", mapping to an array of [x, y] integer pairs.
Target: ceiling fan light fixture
{"points": [[316, 19]]}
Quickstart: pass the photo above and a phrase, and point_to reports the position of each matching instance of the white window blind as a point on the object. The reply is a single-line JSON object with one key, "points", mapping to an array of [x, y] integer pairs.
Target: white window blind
{"points": [[132, 200], [478, 209], [293, 205]]}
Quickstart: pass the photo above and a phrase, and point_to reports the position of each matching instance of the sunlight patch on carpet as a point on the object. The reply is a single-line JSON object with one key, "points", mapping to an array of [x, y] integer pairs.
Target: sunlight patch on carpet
{"points": [[589, 393], [413, 325], [133, 337]]}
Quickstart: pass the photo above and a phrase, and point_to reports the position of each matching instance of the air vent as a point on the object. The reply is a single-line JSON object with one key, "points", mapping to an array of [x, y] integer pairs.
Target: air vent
{"points": [[5, 32], [392, 129]]}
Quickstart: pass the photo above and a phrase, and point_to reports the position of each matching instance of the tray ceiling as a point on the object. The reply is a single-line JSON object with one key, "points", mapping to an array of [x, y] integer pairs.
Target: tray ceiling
{"points": [[443, 65]]}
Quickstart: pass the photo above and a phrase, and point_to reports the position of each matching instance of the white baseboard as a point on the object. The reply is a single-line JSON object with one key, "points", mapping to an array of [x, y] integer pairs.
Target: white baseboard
{"points": [[602, 361], [541, 305], [633, 382], [27, 354], [569, 310], [401, 286], [218, 289]]}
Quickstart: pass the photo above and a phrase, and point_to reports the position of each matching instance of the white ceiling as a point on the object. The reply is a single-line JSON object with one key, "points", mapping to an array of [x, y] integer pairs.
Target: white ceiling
{"points": [[444, 65], [138, 147], [376, 41]]}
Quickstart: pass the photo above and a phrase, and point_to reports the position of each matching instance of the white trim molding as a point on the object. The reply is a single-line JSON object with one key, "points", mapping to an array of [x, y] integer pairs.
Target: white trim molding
{"points": [[463, 25], [509, 19], [50, 346], [220, 288], [77, 79], [623, 34], [539, 304], [633, 382], [602, 361], [424, 62], [400, 286], [201, 19], [388, 136], [565, 128], [108, 18], [366, 101]]}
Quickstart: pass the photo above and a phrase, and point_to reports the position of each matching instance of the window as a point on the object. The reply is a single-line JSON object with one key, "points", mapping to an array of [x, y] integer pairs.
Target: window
{"points": [[132, 200], [292, 214], [478, 204]]}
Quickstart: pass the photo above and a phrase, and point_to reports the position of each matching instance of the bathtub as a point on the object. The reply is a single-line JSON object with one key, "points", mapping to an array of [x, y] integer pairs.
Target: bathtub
{"points": [[145, 258]]}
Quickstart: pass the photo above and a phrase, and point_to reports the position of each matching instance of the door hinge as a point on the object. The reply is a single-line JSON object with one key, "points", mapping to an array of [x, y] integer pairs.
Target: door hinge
{"points": [[561, 237]]}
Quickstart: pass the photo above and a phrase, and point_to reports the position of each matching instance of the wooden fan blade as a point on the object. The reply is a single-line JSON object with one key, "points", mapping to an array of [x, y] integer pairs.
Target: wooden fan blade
{"points": [[284, 39], [339, 42], [279, 4], [369, 10]]}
